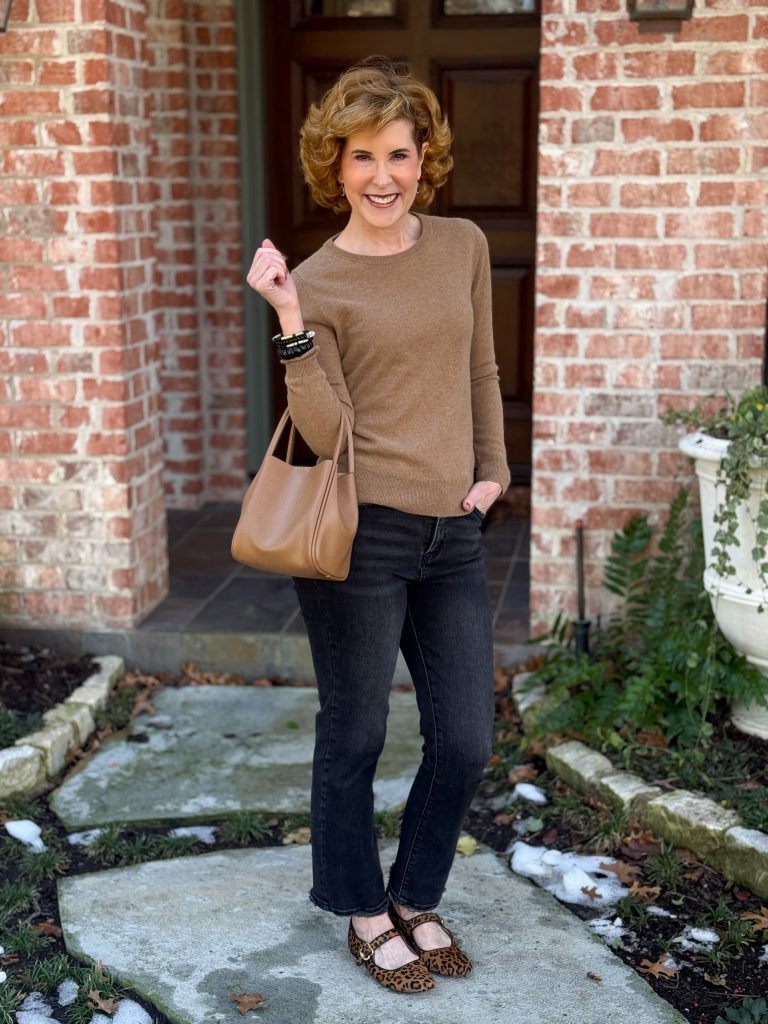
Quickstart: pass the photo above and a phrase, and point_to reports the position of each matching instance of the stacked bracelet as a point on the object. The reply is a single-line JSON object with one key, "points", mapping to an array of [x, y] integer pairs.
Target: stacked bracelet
{"points": [[291, 345]]}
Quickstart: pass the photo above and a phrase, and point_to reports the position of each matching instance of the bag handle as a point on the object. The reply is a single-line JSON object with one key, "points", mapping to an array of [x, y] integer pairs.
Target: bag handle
{"points": [[342, 425]]}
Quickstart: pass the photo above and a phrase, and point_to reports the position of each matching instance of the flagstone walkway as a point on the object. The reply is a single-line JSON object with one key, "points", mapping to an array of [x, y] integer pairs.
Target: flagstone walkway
{"points": [[191, 933]]}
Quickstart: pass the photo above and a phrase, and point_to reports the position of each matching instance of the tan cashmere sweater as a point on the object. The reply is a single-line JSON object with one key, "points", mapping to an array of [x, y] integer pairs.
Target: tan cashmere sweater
{"points": [[404, 343]]}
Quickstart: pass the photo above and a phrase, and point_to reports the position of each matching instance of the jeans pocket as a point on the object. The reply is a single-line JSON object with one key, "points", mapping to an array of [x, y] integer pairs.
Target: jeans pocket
{"points": [[476, 512]]}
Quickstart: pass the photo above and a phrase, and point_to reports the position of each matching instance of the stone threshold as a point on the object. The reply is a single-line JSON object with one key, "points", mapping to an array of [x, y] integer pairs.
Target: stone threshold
{"points": [[35, 759], [712, 832]]}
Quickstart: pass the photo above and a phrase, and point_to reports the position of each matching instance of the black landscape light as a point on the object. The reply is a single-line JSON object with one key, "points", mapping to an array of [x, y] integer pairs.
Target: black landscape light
{"points": [[660, 10]]}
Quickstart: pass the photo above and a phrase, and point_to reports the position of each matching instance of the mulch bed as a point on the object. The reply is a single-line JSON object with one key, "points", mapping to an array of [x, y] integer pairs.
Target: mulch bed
{"points": [[34, 679]]}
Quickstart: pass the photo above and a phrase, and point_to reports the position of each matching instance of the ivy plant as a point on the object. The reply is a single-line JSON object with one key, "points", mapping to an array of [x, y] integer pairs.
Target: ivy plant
{"points": [[744, 424]]}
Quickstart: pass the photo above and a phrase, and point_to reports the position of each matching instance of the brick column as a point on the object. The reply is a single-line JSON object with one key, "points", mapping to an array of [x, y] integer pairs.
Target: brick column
{"points": [[652, 256], [82, 506]]}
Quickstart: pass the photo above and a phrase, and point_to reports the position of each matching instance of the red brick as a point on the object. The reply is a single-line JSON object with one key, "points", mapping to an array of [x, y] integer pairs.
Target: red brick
{"points": [[589, 255], [23, 306], [708, 94], [706, 286], [659, 194], [622, 286], [36, 163], [735, 62], [24, 102], [732, 315], [57, 72], [32, 43], [724, 127], [740, 254], [626, 97], [659, 64], [732, 27], [646, 161], [55, 10], [71, 306], [648, 316], [590, 193], [18, 133], [624, 462], [17, 72], [18, 415], [40, 443], [696, 346], [549, 344], [577, 316], [623, 225], [699, 224], [585, 375], [40, 333], [39, 389], [642, 129], [618, 346], [558, 286], [596, 66], [703, 160]]}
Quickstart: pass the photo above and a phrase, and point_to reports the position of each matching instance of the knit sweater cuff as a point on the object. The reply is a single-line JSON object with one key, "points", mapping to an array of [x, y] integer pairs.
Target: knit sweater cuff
{"points": [[497, 471], [301, 366]]}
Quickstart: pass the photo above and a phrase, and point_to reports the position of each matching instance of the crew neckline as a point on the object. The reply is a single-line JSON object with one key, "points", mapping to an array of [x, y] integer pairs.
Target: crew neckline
{"points": [[392, 257]]}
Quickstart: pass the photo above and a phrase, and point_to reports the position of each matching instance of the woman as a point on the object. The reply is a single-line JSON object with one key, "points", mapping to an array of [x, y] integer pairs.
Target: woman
{"points": [[390, 322]]}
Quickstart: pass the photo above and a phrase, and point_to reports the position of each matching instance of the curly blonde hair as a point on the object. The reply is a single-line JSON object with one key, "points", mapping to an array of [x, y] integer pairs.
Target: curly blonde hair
{"points": [[370, 95]]}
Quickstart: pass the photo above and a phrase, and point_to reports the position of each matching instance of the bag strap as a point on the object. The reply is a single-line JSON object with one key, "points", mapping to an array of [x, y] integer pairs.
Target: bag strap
{"points": [[344, 424]]}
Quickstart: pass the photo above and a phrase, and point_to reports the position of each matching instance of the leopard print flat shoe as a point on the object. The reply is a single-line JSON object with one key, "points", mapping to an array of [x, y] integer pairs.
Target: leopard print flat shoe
{"points": [[411, 977], [447, 960]]}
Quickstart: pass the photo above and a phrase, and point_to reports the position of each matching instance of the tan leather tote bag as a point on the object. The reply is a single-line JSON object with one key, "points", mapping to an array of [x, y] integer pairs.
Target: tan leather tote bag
{"points": [[299, 520]]}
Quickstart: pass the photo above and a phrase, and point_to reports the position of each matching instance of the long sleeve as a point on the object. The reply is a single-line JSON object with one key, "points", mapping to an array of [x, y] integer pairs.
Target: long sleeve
{"points": [[487, 410], [317, 391]]}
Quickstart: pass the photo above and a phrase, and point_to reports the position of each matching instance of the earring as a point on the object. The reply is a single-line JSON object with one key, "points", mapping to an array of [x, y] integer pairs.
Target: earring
{"points": [[341, 188], [418, 185]]}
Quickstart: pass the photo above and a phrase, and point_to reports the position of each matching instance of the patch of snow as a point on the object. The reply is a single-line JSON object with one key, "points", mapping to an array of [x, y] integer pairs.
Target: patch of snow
{"points": [[130, 1012], [34, 1010], [763, 958], [565, 875], [529, 792], [607, 929], [659, 911], [523, 826], [696, 938], [27, 832], [67, 991], [84, 838], [3, 976], [205, 833]]}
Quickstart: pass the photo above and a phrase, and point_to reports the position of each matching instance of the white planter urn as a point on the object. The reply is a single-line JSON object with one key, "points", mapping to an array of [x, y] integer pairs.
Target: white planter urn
{"points": [[734, 607]]}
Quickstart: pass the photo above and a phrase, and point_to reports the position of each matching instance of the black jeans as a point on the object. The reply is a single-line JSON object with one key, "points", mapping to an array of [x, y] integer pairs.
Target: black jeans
{"points": [[417, 583]]}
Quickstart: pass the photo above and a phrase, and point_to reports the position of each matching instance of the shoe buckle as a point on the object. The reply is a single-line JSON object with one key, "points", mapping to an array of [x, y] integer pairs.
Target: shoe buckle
{"points": [[364, 956]]}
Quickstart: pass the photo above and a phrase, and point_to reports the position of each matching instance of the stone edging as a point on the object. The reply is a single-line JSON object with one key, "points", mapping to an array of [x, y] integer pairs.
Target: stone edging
{"points": [[36, 758], [713, 832]]}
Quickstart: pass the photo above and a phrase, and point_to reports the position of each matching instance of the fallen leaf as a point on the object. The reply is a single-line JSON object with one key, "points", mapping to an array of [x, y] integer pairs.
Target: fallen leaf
{"points": [[761, 919], [503, 819], [591, 891], [523, 773], [742, 894], [97, 1002], [749, 784], [143, 704], [248, 1001], [300, 836], [696, 874], [646, 892], [550, 836], [594, 977], [500, 680], [47, 928], [652, 739], [715, 979], [261, 682], [626, 873], [657, 969], [467, 845]]}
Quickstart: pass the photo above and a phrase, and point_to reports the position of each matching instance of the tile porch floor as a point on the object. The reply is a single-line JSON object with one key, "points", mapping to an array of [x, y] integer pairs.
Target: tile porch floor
{"points": [[210, 592]]}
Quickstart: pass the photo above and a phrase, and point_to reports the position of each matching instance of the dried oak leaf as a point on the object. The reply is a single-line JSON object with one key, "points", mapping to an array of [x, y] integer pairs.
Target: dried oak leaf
{"points": [[503, 819], [248, 1001], [594, 977], [652, 739], [300, 836], [143, 704], [657, 969], [523, 773], [760, 920], [715, 979], [47, 928], [646, 892], [626, 873], [591, 891], [97, 1002]]}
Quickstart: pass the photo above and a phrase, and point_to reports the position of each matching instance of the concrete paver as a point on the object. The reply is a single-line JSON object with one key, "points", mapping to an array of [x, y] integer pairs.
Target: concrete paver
{"points": [[190, 932], [212, 750]]}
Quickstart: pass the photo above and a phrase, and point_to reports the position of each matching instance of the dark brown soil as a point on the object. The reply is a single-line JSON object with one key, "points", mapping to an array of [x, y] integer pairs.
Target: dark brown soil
{"points": [[34, 679]]}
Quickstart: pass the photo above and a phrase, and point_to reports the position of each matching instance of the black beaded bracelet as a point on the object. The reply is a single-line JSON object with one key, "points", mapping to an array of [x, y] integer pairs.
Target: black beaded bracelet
{"points": [[291, 345]]}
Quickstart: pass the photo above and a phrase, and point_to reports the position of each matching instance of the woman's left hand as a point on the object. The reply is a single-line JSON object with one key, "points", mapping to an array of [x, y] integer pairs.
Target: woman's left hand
{"points": [[482, 495]]}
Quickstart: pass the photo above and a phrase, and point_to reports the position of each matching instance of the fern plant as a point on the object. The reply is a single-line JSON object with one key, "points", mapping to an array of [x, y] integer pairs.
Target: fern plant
{"points": [[660, 663]]}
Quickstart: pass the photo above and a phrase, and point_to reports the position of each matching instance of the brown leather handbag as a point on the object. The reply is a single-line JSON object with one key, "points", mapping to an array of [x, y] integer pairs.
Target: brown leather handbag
{"points": [[299, 520]]}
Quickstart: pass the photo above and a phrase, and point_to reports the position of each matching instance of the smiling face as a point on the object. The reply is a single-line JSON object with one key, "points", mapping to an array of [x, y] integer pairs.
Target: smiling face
{"points": [[380, 171]]}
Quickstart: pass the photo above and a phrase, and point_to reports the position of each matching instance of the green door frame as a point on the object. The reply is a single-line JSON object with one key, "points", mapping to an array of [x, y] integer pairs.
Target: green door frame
{"points": [[253, 226]]}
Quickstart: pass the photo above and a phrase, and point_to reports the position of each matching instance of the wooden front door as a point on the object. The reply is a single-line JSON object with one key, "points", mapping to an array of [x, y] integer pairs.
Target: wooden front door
{"points": [[481, 59]]}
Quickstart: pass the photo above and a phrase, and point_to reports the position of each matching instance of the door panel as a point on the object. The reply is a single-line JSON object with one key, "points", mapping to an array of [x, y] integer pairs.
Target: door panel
{"points": [[481, 59]]}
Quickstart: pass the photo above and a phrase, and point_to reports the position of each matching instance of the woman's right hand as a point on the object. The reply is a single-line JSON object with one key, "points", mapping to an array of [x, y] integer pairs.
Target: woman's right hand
{"points": [[270, 277]]}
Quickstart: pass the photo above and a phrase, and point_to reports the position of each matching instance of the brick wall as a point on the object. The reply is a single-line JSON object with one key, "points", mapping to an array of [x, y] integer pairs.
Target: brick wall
{"points": [[651, 266], [82, 505], [192, 84], [120, 299]]}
